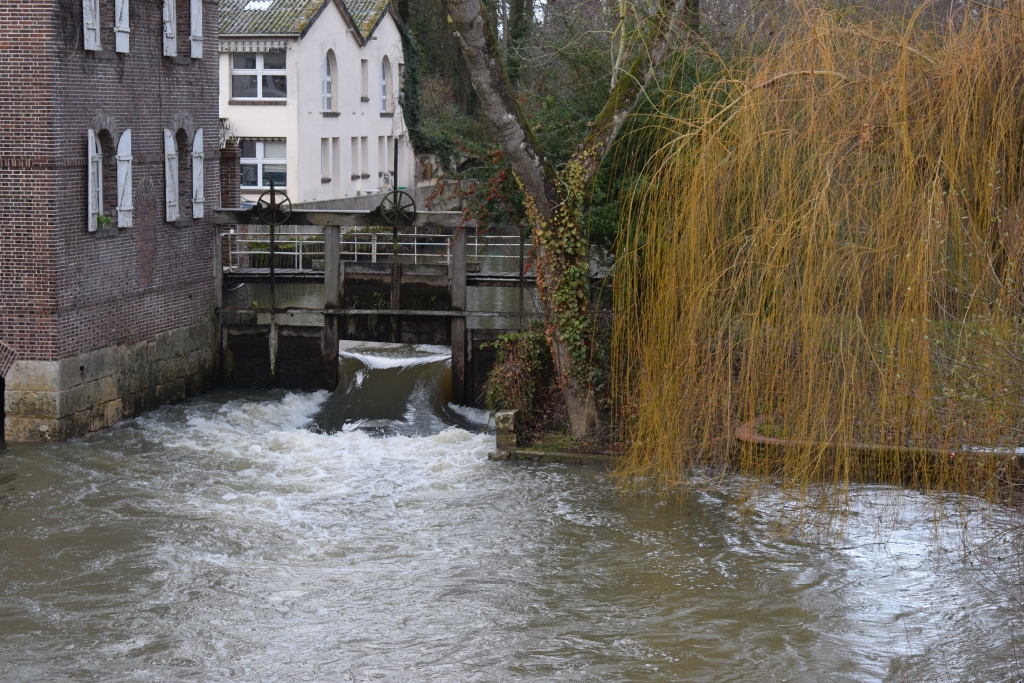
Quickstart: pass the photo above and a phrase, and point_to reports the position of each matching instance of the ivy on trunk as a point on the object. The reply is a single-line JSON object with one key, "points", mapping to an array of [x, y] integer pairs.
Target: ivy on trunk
{"points": [[554, 199]]}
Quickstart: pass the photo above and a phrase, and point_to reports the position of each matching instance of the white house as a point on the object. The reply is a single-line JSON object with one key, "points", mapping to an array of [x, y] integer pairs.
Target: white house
{"points": [[310, 88]]}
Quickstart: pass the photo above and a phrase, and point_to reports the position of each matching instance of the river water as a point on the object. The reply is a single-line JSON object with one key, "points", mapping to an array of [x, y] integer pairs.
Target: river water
{"points": [[365, 536]]}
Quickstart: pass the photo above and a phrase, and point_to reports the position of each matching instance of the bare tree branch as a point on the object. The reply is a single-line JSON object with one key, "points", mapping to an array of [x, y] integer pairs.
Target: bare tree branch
{"points": [[500, 105]]}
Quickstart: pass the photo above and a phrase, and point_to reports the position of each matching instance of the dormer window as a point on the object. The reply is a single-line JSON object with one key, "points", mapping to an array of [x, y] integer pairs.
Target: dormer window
{"points": [[259, 76]]}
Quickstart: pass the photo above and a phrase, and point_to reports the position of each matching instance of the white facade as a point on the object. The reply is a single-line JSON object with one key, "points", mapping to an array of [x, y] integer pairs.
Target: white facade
{"points": [[338, 131]]}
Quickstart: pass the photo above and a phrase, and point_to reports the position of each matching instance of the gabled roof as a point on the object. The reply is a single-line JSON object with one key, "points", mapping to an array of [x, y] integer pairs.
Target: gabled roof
{"points": [[294, 17]]}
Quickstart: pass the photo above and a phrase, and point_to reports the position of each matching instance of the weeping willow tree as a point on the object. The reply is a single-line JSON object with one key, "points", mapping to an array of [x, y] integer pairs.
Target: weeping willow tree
{"points": [[828, 258]]}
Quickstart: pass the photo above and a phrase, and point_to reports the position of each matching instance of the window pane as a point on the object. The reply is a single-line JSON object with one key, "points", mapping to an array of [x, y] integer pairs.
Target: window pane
{"points": [[248, 149], [243, 86], [275, 172], [327, 68], [249, 178], [274, 86], [274, 150], [243, 60], [274, 60]]}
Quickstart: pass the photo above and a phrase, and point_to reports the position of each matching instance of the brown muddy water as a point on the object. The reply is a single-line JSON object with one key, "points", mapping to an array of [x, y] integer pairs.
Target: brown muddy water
{"points": [[365, 536]]}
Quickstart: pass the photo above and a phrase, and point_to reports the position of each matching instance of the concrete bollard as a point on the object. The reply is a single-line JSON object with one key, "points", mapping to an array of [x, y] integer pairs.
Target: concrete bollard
{"points": [[505, 424]]}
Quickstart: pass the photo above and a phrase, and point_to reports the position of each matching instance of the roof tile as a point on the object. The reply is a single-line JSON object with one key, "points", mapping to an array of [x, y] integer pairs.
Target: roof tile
{"points": [[292, 17]]}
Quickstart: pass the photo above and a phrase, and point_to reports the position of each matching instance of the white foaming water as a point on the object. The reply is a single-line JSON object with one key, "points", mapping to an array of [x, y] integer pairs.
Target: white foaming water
{"points": [[227, 538], [476, 415], [383, 357]]}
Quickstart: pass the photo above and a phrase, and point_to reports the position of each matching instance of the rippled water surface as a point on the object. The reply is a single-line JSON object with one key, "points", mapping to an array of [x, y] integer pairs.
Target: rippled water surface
{"points": [[365, 536]]}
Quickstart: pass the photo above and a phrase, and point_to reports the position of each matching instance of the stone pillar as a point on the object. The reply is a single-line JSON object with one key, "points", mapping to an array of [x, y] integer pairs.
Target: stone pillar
{"points": [[505, 424]]}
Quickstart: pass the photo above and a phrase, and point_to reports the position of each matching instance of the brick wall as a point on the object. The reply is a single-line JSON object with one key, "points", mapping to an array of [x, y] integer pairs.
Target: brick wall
{"points": [[28, 267], [64, 291]]}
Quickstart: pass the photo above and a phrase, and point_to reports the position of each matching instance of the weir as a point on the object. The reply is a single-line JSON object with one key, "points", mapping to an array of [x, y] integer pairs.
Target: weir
{"points": [[290, 289]]}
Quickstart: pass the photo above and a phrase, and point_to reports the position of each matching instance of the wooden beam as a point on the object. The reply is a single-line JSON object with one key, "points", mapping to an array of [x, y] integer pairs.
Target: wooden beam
{"points": [[329, 338], [346, 219], [457, 285], [380, 311]]}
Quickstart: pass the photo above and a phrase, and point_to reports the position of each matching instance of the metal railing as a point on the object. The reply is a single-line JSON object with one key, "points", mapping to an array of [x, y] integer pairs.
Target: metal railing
{"points": [[301, 251]]}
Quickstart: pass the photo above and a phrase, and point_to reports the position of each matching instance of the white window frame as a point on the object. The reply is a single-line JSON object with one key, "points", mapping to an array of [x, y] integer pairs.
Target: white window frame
{"points": [[259, 160], [259, 72], [384, 85], [327, 96]]}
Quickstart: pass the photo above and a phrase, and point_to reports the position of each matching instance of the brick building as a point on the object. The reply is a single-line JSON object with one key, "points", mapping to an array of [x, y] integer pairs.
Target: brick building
{"points": [[108, 177]]}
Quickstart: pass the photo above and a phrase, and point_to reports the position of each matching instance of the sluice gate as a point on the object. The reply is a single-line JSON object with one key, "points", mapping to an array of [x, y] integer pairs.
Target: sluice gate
{"points": [[289, 292]]}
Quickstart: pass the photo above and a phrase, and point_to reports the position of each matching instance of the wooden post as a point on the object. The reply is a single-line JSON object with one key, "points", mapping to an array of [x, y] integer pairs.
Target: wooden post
{"points": [[218, 303], [332, 288], [272, 340], [457, 284], [396, 289]]}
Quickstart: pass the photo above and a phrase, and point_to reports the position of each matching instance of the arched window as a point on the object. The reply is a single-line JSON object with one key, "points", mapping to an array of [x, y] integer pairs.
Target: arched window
{"points": [[385, 85], [330, 78]]}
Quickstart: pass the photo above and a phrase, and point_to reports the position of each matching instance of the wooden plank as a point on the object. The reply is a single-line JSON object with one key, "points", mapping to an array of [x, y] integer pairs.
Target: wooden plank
{"points": [[332, 288], [396, 285], [329, 351], [218, 302], [459, 361], [348, 218], [457, 285]]}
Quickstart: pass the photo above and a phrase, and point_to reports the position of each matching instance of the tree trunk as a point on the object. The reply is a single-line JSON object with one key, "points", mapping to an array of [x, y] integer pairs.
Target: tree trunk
{"points": [[559, 243]]}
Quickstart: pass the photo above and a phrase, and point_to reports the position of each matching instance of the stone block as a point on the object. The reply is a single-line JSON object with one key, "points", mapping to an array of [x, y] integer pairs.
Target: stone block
{"points": [[33, 429], [171, 392], [113, 411], [96, 365], [169, 344], [171, 369], [32, 404], [89, 395], [505, 426], [200, 336], [33, 375], [134, 372]]}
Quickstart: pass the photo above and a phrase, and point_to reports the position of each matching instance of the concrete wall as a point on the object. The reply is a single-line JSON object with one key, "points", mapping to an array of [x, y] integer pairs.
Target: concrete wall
{"points": [[303, 123]]}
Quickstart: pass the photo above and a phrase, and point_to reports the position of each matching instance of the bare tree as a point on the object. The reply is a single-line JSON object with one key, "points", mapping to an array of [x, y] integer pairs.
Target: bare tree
{"points": [[554, 198]]}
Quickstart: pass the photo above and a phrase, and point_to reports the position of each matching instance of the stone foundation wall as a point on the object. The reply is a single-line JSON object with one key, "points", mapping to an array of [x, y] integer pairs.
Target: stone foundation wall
{"points": [[56, 400]]}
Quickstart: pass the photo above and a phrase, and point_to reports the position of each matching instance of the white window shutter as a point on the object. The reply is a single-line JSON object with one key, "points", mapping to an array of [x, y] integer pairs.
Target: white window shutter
{"points": [[198, 192], [95, 179], [91, 24], [170, 29], [124, 180], [171, 175], [121, 28], [196, 37]]}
